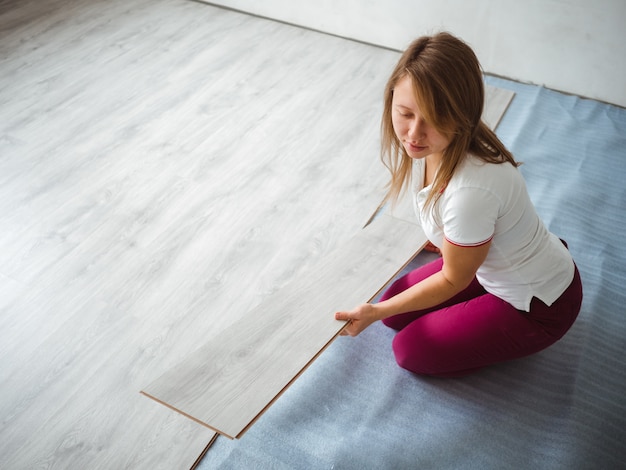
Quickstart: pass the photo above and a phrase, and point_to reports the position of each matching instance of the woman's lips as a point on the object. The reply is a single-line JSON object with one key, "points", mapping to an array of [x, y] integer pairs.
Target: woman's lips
{"points": [[416, 148]]}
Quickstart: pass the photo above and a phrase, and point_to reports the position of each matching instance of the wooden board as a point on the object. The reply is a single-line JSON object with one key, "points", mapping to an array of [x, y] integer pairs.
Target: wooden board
{"points": [[497, 101], [230, 381]]}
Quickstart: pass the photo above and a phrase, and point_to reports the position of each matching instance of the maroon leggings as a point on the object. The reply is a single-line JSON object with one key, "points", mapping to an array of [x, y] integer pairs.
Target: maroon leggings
{"points": [[474, 328]]}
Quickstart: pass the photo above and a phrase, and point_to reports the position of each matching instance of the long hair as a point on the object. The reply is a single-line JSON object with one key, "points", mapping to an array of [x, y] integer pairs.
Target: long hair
{"points": [[448, 86]]}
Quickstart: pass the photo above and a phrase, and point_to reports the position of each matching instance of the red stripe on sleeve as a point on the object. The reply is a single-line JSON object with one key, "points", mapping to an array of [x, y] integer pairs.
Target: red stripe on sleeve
{"points": [[469, 245]]}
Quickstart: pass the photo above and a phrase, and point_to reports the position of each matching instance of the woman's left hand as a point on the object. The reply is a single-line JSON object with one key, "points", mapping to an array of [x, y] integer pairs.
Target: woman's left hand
{"points": [[358, 319], [432, 248]]}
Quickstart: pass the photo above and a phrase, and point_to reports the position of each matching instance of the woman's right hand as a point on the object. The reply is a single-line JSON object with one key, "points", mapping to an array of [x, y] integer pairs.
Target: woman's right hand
{"points": [[358, 319]]}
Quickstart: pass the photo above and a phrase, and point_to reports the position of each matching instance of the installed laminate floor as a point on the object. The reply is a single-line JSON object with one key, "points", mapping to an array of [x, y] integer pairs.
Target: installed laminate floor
{"points": [[164, 167]]}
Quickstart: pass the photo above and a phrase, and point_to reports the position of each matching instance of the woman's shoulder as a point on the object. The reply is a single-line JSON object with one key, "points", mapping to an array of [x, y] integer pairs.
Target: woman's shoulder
{"points": [[476, 170], [483, 164], [475, 175]]}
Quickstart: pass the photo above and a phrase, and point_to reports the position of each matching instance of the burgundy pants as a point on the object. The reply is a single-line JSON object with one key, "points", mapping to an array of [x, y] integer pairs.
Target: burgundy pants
{"points": [[474, 328]]}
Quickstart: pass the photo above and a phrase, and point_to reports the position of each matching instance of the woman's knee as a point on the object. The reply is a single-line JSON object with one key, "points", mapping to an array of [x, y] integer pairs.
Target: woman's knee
{"points": [[412, 356], [423, 363], [424, 354]]}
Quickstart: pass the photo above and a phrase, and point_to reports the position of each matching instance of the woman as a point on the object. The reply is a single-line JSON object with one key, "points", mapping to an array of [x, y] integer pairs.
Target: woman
{"points": [[504, 286]]}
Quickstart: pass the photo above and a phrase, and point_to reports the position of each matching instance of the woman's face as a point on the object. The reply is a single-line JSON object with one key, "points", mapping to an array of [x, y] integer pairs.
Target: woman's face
{"points": [[418, 137]]}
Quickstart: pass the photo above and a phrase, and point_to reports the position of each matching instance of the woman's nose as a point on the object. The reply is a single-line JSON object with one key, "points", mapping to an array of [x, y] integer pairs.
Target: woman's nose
{"points": [[416, 128]]}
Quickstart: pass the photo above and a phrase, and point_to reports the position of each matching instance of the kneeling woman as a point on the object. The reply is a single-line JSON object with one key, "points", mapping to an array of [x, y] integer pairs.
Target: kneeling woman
{"points": [[504, 286]]}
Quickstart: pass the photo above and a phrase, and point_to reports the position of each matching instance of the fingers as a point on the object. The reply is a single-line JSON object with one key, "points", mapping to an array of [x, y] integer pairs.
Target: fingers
{"points": [[349, 328], [343, 316], [358, 319], [432, 248]]}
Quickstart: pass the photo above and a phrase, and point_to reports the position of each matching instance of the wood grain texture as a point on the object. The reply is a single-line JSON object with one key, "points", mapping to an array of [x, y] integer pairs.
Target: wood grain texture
{"points": [[165, 166], [231, 380]]}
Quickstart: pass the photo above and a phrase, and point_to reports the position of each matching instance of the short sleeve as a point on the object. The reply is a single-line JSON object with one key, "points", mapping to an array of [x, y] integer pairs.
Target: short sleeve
{"points": [[469, 216]]}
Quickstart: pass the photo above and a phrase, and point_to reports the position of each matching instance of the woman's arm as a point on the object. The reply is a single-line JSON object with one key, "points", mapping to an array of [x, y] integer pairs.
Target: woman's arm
{"points": [[459, 269]]}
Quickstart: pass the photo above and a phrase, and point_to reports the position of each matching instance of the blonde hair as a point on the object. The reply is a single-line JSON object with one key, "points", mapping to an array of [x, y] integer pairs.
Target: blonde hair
{"points": [[448, 86]]}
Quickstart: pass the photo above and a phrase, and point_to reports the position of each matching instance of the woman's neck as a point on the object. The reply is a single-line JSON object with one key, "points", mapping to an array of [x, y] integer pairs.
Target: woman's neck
{"points": [[432, 165]]}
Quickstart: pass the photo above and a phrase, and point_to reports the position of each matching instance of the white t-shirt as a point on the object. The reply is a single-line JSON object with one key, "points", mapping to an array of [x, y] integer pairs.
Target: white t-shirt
{"points": [[486, 201]]}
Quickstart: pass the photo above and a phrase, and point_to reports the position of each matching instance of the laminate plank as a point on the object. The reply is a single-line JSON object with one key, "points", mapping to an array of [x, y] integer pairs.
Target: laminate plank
{"points": [[497, 101], [228, 383]]}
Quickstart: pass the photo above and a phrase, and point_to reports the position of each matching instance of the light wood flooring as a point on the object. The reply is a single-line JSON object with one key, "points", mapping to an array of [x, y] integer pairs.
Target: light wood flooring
{"points": [[231, 380], [164, 167]]}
